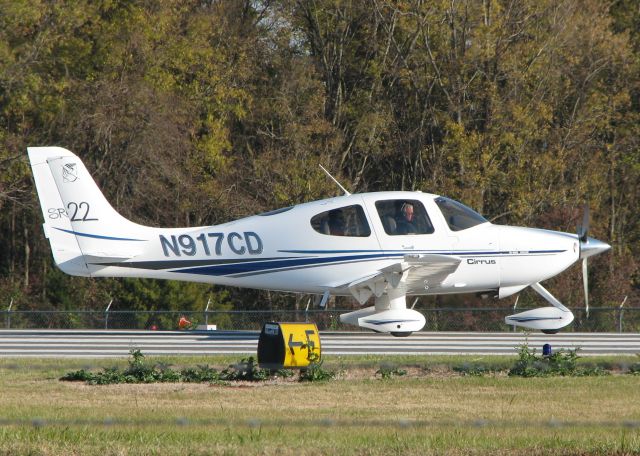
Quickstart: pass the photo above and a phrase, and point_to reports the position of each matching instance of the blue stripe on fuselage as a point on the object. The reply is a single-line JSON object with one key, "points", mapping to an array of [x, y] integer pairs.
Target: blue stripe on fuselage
{"points": [[261, 266], [242, 268]]}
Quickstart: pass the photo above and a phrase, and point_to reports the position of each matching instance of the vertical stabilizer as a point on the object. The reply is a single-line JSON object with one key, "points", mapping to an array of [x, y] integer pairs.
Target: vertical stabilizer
{"points": [[80, 223], [65, 248]]}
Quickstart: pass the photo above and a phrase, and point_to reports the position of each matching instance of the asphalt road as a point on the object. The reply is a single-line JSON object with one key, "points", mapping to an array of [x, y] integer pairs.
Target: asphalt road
{"points": [[100, 343]]}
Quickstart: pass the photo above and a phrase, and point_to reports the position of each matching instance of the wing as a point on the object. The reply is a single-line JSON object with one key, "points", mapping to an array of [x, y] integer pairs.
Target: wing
{"points": [[413, 274]]}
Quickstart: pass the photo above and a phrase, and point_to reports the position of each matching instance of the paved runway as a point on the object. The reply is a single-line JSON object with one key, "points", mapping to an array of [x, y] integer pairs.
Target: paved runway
{"points": [[100, 343]]}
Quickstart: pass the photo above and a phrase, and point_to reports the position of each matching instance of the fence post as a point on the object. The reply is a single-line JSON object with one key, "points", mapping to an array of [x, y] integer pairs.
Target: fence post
{"points": [[620, 314], [106, 315], [9, 314], [206, 313], [306, 311]]}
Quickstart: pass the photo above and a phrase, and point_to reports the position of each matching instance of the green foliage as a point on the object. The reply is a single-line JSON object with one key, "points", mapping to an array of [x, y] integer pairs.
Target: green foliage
{"points": [[139, 371], [560, 363], [109, 376], [473, 370], [246, 370], [520, 112], [151, 294], [388, 371], [77, 376], [634, 368], [314, 372], [282, 373], [200, 374], [526, 364]]}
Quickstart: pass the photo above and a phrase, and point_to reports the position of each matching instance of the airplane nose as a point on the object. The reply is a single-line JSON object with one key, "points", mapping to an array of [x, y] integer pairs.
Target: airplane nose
{"points": [[592, 247]]}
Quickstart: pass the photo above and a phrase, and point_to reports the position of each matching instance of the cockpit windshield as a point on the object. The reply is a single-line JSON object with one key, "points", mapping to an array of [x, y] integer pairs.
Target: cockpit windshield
{"points": [[458, 216]]}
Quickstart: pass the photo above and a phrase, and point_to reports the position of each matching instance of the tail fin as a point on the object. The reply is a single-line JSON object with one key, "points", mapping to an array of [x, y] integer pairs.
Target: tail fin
{"points": [[80, 224]]}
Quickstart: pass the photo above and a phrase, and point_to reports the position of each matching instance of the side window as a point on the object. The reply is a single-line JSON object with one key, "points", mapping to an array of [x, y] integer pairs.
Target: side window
{"points": [[345, 221], [401, 217]]}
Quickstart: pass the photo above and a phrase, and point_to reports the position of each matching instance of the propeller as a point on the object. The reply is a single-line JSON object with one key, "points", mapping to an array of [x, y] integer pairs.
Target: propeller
{"points": [[583, 229], [585, 284], [588, 247]]}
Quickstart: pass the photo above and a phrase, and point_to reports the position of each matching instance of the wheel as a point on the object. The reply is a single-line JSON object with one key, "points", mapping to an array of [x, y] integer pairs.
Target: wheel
{"points": [[550, 331], [401, 334]]}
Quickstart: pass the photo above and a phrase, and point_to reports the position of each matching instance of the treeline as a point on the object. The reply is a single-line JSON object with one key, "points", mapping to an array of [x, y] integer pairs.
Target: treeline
{"points": [[199, 112]]}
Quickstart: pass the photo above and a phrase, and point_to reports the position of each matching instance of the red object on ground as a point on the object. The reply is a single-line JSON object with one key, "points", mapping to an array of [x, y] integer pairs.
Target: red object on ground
{"points": [[183, 323], [153, 328]]}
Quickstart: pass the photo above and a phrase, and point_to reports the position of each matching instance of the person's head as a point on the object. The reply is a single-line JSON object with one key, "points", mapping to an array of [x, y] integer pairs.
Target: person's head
{"points": [[407, 211]]}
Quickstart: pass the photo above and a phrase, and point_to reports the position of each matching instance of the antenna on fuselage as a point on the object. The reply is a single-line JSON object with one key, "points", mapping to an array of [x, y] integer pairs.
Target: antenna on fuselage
{"points": [[334, 179]]}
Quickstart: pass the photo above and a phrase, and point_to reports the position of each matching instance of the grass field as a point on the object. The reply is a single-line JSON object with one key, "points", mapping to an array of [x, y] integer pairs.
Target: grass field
{"points": [[428, 411]]}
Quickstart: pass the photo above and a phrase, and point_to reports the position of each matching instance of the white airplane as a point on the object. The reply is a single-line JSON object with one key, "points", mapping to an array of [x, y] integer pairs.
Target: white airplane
{"points": [[383, 245]]}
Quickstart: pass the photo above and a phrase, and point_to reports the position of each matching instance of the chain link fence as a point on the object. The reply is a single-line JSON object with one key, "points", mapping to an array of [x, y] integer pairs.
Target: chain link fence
{"points": [[604, 319]]}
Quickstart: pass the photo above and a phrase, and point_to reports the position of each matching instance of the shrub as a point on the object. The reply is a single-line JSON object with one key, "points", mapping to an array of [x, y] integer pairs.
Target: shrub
{"points": [[315, 372], [108, 376], [139, 371], [561, 363], [77, 376], [474, 370], [246, 370], [199, 374], [634, 369], [388, 371]]}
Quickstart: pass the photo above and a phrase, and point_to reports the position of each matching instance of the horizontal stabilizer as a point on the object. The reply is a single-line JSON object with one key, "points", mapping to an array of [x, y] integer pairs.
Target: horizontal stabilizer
{"points": [[93, 258]]}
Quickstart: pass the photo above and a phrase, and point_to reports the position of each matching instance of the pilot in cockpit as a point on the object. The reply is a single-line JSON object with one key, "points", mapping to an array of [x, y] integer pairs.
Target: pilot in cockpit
{"points": [[405, 220]]}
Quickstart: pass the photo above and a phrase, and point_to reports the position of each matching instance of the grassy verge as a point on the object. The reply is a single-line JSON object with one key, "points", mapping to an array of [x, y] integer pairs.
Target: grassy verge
{"points": [[430, 410]]}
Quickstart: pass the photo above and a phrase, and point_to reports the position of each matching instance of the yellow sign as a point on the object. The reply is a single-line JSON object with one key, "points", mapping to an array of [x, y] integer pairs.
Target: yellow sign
{"points": [[288, 345]]}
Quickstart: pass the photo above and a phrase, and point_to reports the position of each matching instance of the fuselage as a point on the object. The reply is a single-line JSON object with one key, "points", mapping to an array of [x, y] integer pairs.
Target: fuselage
{"points": [[376, 247], [317, 246]]}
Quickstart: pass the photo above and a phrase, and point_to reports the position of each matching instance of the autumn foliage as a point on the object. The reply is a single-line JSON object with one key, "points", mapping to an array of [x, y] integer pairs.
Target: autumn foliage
{"points": [[198, 112]]}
